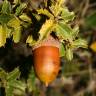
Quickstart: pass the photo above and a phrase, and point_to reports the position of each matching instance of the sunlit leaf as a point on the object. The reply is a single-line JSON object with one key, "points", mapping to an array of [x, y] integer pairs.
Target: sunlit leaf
{"points": [[46, 29], [14, 22], [3, 35], [79, 43], [63, 31], [24, 17], [44, 12], [66, 15], [30, 40], [69, 54], [17, 34]]}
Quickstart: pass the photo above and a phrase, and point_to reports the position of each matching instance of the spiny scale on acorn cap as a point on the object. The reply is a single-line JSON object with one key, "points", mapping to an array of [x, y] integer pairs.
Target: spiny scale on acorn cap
{"points": [[47, 60]]}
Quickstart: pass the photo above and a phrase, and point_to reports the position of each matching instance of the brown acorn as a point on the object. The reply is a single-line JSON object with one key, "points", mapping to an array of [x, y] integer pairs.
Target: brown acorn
{"points": [[47, 60]]}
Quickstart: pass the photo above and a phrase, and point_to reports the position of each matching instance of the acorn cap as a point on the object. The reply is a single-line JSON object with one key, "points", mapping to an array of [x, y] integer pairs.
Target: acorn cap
{"points": [[49, 41]]}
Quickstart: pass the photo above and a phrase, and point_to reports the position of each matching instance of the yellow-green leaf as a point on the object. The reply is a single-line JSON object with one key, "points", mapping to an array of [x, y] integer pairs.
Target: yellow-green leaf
{"points": [[24, 17], [30, 40], [2, 35], [46, 29], [17, 34], [15, 22]]}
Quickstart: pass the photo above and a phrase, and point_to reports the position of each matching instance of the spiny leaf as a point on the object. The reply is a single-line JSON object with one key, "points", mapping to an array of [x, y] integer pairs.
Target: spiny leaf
{"points": [[63, 31], [13, 75], [30, 40], [66, 15], [17, 84], [31, 81], [14, 22], [17, 34], [44, 12], [69, 54], [9, 91], [24, 17], [6, 7], [46, 29], [20, 9], [3, 35], [79, 43], [4, 18]]}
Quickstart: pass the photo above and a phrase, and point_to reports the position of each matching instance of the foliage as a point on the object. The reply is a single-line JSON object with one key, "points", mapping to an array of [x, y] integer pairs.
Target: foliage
{"points": [[17, 19]]}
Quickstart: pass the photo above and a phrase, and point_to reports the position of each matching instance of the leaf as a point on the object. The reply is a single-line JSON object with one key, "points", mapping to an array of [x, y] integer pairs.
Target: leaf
{"points": [[63, 31], [90, 21], [75, 32], [66, 15], [93, 46], [13, 75], [62, 50], [30, 40], [17, 84], [24, 17], [9, 91], [31, 81], [3, 74], [17, 34], [20, 9], [79, 43], [46, 29], [69, 54], [6, 7], [44, 12], [14, 22], [3, 35], [4, 18]]}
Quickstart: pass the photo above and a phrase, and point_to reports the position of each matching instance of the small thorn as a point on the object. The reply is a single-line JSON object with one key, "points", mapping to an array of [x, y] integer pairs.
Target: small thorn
{"points": [[46, 84]]}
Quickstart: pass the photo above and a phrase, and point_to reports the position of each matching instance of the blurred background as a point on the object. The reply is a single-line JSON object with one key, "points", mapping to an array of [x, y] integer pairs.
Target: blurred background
{"points": [[76, 78]]}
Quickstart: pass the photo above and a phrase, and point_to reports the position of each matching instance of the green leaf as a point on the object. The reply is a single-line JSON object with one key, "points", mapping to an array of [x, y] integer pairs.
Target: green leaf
{"points": [[44, 12], [90, 21], [79, 43], [31, 81], [17, 84], [3, 74], [62, 50], [17, 34], [24, 17], [63, 31], [9, 90], [3, 35], [30, 40], [14, 22], [20, 9], [13, 75], [4, 18], [66, 15], [46, 29], [6, 7], [69, 54]]}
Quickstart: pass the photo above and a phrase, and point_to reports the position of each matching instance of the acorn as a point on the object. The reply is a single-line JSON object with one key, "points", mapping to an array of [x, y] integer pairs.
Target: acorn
{"points": [[47, 60]]}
